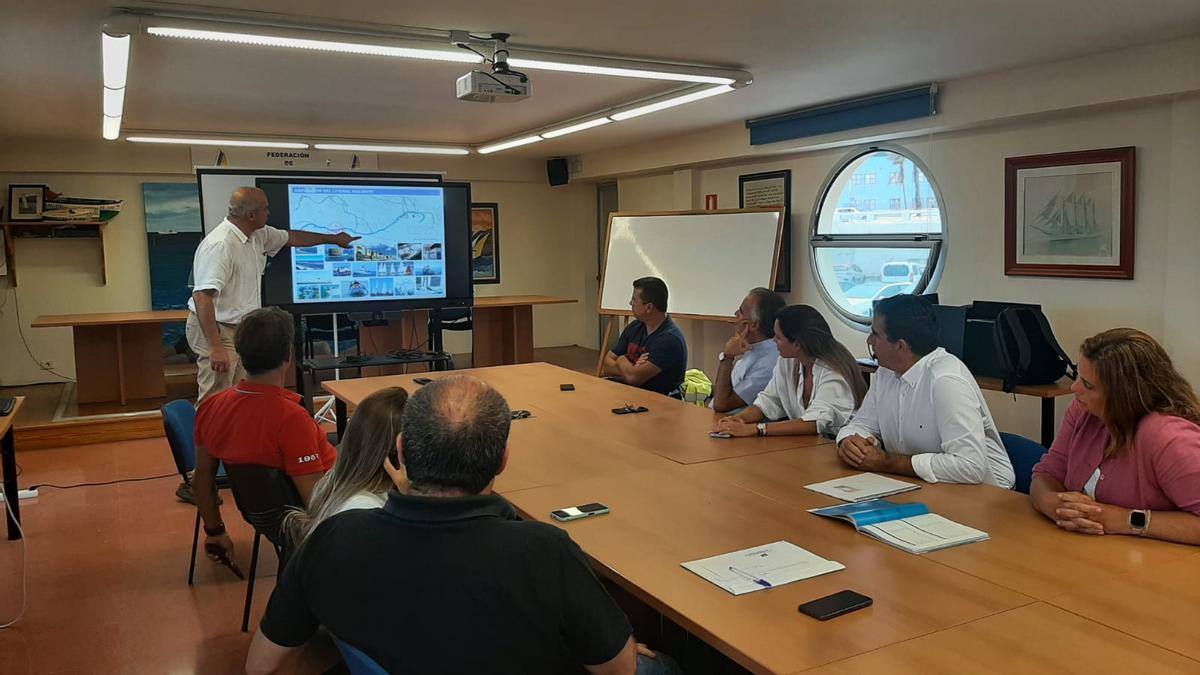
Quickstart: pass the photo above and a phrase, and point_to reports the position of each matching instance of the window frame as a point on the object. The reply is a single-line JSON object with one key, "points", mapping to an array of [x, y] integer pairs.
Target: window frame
{"points": [[937, 244]]}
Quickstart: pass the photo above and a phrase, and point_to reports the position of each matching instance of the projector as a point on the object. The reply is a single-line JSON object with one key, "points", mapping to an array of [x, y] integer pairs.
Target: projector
{"points": [[494, 87]]}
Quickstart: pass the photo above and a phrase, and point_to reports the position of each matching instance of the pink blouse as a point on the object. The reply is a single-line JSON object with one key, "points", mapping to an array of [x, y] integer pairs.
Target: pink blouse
{"points": [[1161, 473]]}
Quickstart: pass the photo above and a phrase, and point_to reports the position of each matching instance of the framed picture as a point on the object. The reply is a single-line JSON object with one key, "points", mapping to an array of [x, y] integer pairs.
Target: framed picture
{"points": [[485, 243], [1070, 214], [769, 189], [25, 202]]}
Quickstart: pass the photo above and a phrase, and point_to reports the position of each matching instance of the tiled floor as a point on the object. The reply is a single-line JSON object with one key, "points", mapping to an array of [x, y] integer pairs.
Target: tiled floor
{"points": [[107, 573], [107, 569]]}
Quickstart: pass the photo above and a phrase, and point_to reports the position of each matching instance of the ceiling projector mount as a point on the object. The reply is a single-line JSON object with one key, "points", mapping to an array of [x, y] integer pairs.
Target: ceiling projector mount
{"points": [[493, 81], [502, 84]]}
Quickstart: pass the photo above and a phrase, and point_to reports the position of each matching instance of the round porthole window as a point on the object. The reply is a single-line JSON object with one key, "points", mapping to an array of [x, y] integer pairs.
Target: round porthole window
{"points": [[879, 229]]}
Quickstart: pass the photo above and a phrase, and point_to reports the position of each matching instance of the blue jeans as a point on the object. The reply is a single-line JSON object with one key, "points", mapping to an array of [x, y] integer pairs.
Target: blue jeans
{"points": [[661, 665]]}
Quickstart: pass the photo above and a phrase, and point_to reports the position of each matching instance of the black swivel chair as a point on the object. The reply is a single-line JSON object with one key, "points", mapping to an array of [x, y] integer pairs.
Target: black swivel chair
{"points": [[447, 318], [320, 327], [263, 495]]}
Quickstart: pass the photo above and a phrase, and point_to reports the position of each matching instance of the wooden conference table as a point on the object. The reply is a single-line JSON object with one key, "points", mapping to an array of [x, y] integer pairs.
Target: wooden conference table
{"points": [[1032, 598], [119, 355], [8, 463], [503, 328]]}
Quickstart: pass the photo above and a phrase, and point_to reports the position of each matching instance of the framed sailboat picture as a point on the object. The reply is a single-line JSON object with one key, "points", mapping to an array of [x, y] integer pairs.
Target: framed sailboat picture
{"points": [[1070, 214]]}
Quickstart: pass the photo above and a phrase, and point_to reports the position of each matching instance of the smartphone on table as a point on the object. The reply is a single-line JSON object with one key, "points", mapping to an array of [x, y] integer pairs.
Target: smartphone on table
{"points": [[577, 512], [844, 602]]}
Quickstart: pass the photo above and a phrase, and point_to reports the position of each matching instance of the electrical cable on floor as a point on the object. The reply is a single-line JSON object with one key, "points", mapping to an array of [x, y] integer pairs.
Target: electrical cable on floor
{"points": [[107, 482], [21, 331], [24, 568]]}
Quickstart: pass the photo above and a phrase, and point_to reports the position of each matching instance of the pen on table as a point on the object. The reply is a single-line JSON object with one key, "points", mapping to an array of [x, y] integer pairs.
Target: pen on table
{"points": [[751, 577]]}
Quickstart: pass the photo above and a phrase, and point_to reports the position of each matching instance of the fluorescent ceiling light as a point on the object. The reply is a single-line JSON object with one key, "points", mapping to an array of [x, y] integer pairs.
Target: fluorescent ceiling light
{"points": [[410, 149], [232, 143], [563, 131], [515, 143], [111, 128], [670, 102], [114, 101], [115, 53], [536, 64], [457, 56]]}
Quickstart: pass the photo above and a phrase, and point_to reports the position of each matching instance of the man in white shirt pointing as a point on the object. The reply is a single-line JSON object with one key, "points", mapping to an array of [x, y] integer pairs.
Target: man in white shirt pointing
{"points": [[228, 270], [924, 414]]}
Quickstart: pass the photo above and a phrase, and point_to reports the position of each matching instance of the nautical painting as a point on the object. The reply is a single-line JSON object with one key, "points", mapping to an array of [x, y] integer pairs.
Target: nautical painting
{"points": [[173, 232], [1070, 214]]}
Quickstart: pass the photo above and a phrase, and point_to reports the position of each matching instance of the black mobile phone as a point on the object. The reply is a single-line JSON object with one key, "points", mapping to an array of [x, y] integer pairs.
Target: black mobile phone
{"points": [[824, 609], [566, 387], [422, 380]]}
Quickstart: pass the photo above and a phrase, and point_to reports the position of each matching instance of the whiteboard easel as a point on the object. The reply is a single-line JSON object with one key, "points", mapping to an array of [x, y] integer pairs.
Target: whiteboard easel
{"points": [[708, 259]]}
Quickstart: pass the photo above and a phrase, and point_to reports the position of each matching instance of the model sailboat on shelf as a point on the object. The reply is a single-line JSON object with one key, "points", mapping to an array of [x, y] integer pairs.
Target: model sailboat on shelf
{"points": [[1069, 217]]}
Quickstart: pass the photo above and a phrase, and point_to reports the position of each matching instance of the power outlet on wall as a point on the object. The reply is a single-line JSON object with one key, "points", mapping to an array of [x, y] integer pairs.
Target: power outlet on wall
{"points": [[48, 364]]}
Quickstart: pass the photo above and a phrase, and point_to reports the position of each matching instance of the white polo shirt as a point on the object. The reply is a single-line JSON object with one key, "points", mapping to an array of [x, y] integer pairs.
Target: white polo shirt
{"points": [[232, 264], [935, 412]]}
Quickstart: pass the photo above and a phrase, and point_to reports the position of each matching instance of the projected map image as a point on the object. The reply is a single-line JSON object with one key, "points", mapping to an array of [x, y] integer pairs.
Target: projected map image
{"points": [[397, 225]]}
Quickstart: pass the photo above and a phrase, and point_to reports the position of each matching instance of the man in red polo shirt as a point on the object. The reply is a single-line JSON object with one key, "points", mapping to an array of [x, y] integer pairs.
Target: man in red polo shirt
{"points": [[257, 421]]}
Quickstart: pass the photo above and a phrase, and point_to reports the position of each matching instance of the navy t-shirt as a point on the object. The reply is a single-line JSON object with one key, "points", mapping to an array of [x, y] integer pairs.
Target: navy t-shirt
{"points": [[668, 351]]}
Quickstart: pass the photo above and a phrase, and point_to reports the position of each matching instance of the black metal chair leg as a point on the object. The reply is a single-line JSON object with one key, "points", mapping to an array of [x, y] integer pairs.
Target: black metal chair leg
{"points": [[250, 583], [195, 541]]}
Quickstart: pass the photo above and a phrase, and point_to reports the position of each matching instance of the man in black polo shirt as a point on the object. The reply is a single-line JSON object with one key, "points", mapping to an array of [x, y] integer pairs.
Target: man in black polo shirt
{"points": [[445, 578], [651, 352]]}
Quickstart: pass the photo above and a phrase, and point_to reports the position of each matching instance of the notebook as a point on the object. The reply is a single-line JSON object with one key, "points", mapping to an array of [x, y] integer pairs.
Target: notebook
{"points": [[762, 567], [910, 527], [861, 487]]}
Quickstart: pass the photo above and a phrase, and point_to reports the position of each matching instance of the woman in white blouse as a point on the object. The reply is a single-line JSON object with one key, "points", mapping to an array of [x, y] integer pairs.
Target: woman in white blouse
{"points": [[358, 479], [814, 389]]}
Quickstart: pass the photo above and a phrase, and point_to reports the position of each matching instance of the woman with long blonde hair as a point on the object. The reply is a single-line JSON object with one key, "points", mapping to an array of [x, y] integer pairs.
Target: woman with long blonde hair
{"points": [[1127, 460], [358, 479]]}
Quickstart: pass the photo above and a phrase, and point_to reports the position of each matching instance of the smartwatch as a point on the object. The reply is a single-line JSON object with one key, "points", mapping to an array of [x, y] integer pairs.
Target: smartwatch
{"points": [[1139, 521], [762, 428]]}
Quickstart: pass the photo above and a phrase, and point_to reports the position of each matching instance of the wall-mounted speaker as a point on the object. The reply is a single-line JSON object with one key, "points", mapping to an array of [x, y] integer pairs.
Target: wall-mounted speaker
{"points": [[556, 171]]}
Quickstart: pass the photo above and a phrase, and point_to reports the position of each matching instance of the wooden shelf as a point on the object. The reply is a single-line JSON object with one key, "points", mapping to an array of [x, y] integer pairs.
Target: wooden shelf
{"points": [[49, 226]]}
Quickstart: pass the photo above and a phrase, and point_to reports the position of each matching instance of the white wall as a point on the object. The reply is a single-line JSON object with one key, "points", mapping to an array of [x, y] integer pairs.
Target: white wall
{"points": [[547, 244], [969, 168]]}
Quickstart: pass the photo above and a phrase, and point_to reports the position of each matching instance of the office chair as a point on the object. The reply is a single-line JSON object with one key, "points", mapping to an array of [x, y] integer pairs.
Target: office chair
{"points": [[1024, 454], [263, 495], [179, 426]]}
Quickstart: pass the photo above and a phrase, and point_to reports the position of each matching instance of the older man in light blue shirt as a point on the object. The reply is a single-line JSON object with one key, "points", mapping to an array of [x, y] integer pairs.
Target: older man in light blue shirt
{"points": [[746, 364]]}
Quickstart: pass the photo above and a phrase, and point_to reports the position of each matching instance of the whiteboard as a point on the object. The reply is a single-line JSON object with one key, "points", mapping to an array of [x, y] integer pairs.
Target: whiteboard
{"points": [[217, 183], [708, 259]]}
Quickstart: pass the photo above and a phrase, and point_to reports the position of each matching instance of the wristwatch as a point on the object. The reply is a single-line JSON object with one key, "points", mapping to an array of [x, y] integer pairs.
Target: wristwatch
{"points": [[1139, 521], [762, 428], [215, 531], [721, 357]]}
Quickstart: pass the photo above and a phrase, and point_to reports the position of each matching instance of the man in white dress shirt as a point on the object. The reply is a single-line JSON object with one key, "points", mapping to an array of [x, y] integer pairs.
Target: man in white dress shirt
{"points": [[745, 366], [228, 269], [924, 414]]}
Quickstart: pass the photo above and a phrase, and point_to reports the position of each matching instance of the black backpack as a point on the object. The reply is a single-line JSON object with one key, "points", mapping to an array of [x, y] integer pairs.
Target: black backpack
{"points": [[1026, 349]]}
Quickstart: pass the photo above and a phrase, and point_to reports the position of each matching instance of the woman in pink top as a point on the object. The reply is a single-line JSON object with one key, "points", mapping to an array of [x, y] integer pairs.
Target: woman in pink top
{"points": [[1127, 460]]}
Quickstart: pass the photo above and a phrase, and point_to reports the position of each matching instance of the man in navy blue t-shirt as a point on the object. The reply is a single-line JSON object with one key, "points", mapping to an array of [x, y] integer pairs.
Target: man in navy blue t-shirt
{"points": [[651, 352]]}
